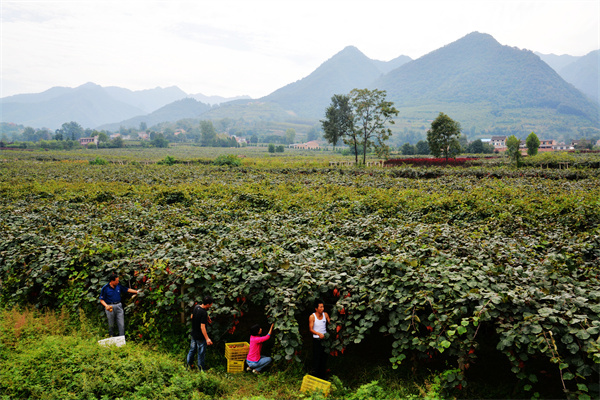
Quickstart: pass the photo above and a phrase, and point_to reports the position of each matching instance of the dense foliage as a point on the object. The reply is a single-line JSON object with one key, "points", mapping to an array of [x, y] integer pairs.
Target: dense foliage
{"points": [[434, 269], [429, 162]]}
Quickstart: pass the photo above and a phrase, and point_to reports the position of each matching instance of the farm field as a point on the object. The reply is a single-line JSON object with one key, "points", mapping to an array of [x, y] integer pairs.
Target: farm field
{"points": [[465, 272]]}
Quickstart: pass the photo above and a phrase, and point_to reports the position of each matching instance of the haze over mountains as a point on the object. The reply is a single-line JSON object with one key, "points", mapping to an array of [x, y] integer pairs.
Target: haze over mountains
{"points": [[484, 85], [581, 72]]}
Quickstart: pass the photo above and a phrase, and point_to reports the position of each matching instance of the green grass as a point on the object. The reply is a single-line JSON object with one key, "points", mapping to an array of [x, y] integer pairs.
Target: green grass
{"points": [[50, 355]]}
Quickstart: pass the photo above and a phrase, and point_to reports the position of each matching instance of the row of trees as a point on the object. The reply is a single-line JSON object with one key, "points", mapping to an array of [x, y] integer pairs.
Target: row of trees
{"points": [[513, 146], [361, 119], [422, 147]]}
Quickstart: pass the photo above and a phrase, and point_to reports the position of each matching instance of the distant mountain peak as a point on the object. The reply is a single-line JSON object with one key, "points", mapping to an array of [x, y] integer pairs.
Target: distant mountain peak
{"points": [[88, 85], [476, 39], [350, 49]]}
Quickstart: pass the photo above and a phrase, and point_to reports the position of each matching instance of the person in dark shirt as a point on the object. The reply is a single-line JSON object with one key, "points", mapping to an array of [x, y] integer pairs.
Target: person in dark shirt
{"points": [[200, 339], [110, 298]]}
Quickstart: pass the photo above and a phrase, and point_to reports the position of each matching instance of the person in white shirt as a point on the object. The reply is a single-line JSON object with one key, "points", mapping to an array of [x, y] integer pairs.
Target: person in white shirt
{"points": [[317, 324]]}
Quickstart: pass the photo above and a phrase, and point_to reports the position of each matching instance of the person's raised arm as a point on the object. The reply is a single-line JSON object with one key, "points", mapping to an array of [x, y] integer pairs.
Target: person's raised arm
{"points": [[271, 330]]}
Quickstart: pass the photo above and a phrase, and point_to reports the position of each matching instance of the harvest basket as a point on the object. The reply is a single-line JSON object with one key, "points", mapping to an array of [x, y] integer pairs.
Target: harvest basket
{"points": [[313, 384], [235, 366], [237, 351]]}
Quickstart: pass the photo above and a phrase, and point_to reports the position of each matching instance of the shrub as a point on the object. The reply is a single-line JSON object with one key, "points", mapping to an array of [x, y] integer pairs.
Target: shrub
{"points": [[168, 160], [229, 159], [429, 162], [98, 161]]}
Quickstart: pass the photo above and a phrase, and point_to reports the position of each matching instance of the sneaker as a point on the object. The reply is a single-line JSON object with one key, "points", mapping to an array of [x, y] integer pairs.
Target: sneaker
{"points": [[249, 369], [255, 371]]}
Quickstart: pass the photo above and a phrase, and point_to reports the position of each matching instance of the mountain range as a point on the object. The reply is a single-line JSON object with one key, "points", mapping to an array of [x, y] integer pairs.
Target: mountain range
{"points": [[488, 87], [92, 105], [582, 72]]}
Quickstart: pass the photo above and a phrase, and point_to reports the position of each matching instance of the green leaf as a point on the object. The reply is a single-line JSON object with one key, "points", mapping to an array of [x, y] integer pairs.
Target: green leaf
{"points": [[582, 387], [567, 376], [583, 335]]}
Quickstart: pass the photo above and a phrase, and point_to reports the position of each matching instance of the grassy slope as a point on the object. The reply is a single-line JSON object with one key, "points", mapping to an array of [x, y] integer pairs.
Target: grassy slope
{"points": [[53, 355]]}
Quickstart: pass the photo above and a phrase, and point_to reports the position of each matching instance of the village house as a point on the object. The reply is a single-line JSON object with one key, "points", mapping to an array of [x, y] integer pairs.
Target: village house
{"points": [[312, 145], [547, 145], [240, 140], [88, 140], [498, 141]]}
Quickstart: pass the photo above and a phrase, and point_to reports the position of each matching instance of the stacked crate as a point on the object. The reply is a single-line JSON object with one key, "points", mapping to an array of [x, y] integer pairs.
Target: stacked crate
{"points": [[236, 354]]}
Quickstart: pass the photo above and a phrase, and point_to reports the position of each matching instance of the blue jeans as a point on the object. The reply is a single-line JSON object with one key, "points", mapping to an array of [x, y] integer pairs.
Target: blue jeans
{"points": [[197, 346], [116, 314], [260, 364]]}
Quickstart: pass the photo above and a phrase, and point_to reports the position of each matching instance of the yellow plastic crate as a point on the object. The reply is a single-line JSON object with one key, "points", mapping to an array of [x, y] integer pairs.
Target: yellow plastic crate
{"points": [[235, 367], [314, 384], [237, 351]]}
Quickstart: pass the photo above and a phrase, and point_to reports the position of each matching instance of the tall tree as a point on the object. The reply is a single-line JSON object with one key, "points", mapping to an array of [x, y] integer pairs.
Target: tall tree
{"points": [[209, 134], [372, 113], [422, 147], [71, 130], [443, 137], [533, 143], [313, 133], [475, 147], [407, 149], [513, 149], [29, 134], [338, 121], [290, 135]]}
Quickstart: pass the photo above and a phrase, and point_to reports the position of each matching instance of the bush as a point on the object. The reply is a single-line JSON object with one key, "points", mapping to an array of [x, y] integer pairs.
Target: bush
{"points": [[81, 369], [229, 159], [168, 160], [98, 161]]}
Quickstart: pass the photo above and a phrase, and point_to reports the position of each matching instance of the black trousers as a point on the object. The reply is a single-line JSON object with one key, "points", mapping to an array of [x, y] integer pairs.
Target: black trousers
{"points": [[319, 359]]}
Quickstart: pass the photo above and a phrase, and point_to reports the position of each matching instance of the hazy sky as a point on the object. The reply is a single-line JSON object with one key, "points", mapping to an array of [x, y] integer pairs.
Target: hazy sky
{"points": [[253, 47]]}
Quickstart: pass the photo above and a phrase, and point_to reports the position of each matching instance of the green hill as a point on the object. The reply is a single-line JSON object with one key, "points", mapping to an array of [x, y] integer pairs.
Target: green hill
{"points": [[181, 109], [492, 87], [309, 97], [584, 74]]}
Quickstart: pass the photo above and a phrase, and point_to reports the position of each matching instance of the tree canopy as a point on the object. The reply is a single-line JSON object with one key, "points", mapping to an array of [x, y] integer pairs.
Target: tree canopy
{"points": [[513, 151], [338, 120], [360, 119], [372, 114], [533, 143], [443, 137]]}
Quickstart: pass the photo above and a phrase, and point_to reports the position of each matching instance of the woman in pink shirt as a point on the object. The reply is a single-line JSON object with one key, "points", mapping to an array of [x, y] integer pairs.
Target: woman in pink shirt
{"points": [[255, 361]]}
